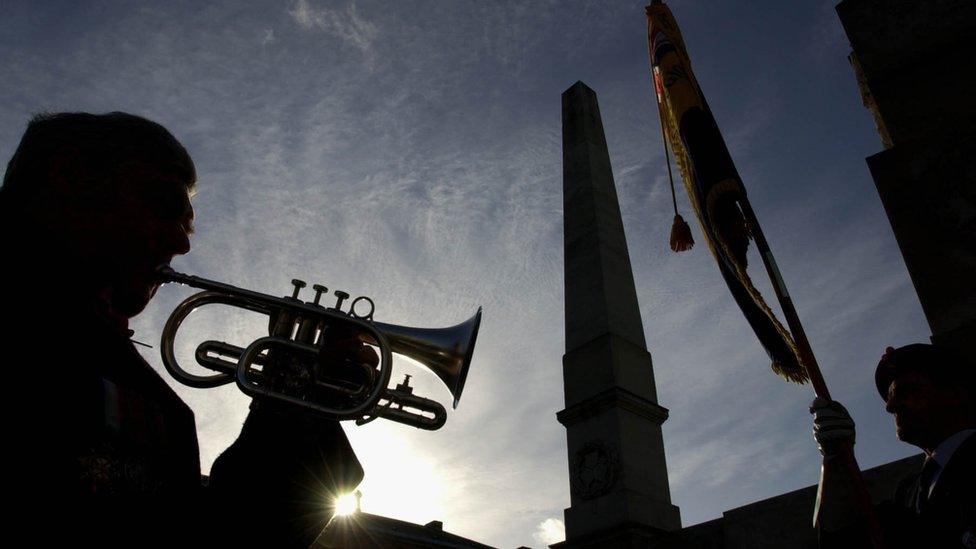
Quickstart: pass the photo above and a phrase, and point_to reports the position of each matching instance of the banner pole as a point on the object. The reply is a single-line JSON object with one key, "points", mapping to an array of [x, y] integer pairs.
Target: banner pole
{"points": [[809, 362]]}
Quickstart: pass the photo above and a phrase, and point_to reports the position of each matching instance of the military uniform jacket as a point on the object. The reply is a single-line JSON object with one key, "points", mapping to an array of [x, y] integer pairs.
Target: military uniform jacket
{"points": [[949, 518], [99, 450]]}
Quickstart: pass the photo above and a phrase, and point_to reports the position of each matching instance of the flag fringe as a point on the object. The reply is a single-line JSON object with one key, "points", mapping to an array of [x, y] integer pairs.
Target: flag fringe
{"points": [[793, 375]]}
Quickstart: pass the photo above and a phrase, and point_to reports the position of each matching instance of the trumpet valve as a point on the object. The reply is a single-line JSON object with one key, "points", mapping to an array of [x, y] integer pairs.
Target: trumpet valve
{"points": [[340, 297], [319, 290], [404, 386]]}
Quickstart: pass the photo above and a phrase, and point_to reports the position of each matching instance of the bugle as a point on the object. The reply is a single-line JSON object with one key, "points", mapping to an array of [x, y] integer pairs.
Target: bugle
{"points": [[288, 364]]}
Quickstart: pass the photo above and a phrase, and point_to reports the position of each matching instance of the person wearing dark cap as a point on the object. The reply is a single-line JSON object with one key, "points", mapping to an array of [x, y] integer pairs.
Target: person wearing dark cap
{"points": [[931, 392]]}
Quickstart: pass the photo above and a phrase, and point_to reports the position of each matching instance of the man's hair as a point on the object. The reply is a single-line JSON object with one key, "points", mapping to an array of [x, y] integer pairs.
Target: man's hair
{"points": [[102, 142]]}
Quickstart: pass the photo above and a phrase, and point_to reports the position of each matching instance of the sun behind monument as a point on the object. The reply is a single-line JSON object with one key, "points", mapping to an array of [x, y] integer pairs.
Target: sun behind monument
{"points": [[345, 505]]}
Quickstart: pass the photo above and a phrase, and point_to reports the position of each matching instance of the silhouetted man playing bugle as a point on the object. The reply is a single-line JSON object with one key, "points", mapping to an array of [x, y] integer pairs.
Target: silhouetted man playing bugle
{"points": [[931, 392], [98, 449]]}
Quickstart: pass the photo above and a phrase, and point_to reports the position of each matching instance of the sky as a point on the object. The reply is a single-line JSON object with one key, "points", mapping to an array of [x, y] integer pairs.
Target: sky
{"points": [[411, 152]]}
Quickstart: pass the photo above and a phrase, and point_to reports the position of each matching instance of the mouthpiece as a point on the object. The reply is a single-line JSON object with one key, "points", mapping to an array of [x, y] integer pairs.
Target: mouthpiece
{"points": [[166, 274]]}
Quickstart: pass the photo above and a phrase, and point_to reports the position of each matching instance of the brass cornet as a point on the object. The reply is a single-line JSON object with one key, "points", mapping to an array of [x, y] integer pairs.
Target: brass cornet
{"points": [[287, 365]]}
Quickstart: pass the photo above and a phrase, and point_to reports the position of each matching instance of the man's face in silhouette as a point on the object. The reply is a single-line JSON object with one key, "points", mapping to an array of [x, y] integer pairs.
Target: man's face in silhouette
{"points": [[925, 410], [149, 222]]}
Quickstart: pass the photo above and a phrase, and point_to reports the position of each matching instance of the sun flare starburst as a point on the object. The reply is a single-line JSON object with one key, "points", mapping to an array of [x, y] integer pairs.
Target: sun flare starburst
{"points": [[345, 505]]}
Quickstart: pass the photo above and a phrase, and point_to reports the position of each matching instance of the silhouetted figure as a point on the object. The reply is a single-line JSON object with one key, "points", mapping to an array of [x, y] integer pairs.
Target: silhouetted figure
{"points": [[931, 392], [98, 449]]}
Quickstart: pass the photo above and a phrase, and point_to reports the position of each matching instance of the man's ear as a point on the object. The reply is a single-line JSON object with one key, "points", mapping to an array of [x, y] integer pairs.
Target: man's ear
{"points": [[961, 399], [67, 172], [75, 184], [74, 198], [958, 399]]}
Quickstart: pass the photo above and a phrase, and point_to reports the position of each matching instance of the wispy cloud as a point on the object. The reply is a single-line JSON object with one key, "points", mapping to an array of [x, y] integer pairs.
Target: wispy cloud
{"points": [[345, 23]]}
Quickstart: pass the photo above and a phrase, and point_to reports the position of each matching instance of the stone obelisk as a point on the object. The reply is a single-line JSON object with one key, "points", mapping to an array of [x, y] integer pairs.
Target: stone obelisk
{"points": [[618, 477]]}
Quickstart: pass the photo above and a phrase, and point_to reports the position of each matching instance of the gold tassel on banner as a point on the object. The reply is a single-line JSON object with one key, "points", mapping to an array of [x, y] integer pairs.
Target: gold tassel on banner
{"points": [[681, 239]]}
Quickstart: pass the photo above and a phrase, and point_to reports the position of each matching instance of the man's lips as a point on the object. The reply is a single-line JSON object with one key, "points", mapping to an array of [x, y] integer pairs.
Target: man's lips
{"points": [[156, 280], [148, 279], [155, 273]]}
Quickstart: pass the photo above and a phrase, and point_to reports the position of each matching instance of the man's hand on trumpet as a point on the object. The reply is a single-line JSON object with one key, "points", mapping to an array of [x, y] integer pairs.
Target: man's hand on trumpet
{"points": [[343, 372], [347, 363]]}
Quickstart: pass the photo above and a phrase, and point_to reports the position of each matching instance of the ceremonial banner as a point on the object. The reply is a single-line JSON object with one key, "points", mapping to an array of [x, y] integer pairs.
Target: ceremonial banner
{"points": [[713, 184]]}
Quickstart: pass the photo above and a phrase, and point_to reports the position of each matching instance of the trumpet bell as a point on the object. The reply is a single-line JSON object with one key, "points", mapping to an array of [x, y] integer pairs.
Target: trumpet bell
{"points": [[444, 351]]}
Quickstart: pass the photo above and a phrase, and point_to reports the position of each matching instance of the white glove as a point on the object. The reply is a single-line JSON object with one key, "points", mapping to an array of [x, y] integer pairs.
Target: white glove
{"points": [[832, 426]]}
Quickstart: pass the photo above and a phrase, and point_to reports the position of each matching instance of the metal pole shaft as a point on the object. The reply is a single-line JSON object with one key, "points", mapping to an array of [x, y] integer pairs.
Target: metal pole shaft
{"points": [[809, 362]]}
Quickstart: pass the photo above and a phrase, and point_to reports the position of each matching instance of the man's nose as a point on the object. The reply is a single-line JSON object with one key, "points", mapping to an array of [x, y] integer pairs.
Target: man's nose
{"points": [[890, 405], [183, 244], [178, 240]]}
